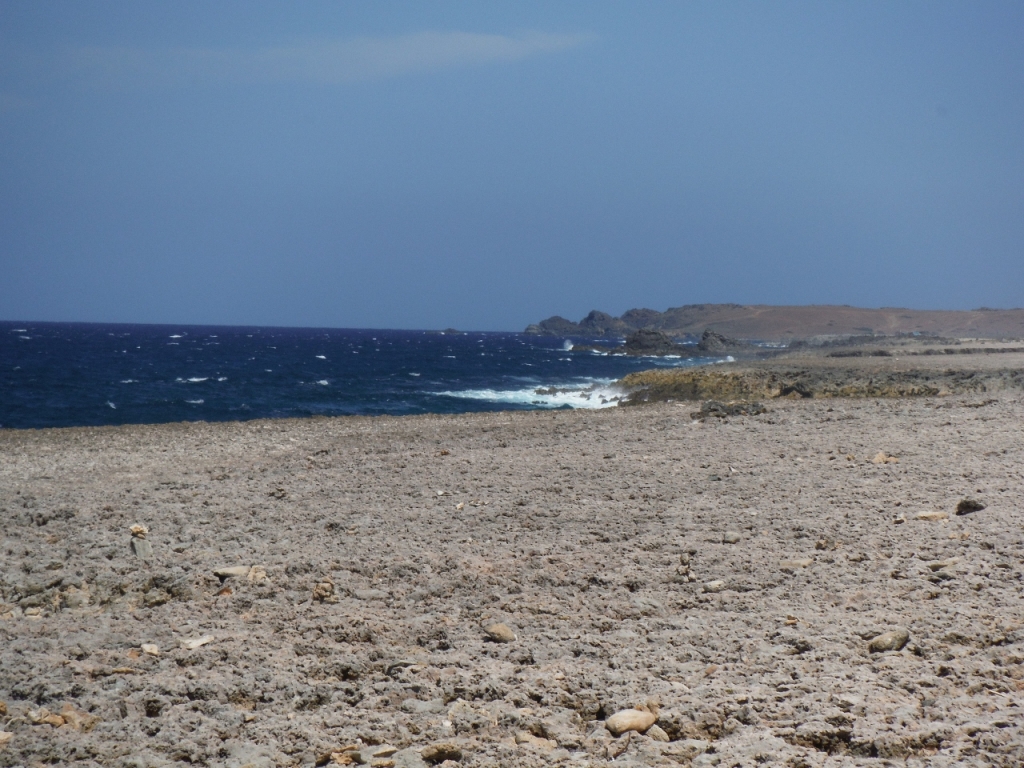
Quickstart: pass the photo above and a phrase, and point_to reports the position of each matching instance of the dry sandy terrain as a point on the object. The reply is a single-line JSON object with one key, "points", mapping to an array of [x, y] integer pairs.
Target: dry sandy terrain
{"points": [[371, 551]]}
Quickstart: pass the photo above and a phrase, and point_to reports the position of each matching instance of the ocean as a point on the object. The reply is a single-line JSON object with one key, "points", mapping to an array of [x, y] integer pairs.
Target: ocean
{"points": [[74, 374]]}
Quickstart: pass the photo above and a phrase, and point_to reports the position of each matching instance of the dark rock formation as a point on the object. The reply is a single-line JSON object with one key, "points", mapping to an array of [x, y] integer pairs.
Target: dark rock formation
{"points": [[713, 343], [603, 324], [644, 342]]}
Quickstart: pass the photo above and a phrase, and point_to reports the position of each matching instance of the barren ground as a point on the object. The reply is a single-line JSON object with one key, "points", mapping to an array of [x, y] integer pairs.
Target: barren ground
{"points": [[570, 527]]}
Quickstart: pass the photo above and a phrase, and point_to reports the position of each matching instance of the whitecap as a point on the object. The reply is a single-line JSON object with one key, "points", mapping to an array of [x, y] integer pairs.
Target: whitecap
{"points": [[222, 378], [195, 402], [413, 374], [111, 405], [567, 346], [197, 379], [129, 381], [600, 394], [19, 330], [321, 357], [323, 382], [25, 337], [175, 336]]}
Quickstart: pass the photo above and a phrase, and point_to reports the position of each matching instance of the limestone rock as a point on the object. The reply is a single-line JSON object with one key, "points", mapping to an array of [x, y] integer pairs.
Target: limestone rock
{"points": [[630, 720], [499, 633], [889, 641], [932, 515], [142, 548], [438, 753], [656, 733], [731, 537], [231, 571], [198, 642], [5, 738]]}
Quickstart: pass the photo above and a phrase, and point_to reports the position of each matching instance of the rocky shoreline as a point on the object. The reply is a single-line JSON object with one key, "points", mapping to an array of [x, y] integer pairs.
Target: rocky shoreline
{"points": [[815, 581]]}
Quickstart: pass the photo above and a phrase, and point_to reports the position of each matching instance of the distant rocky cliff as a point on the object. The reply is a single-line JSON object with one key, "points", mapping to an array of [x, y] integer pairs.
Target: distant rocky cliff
{"points": [[780, 323]]}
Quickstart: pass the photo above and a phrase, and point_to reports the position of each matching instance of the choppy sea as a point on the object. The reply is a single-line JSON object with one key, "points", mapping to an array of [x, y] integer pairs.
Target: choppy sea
{"points": [[71, 374]]}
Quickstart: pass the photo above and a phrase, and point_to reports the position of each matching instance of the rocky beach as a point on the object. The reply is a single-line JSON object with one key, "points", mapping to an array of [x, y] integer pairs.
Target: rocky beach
{"points": [[832, 578]]}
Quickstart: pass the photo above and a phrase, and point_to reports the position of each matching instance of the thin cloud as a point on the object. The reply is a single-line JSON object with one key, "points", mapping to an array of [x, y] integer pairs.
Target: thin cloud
{"points": [[316, 61]]}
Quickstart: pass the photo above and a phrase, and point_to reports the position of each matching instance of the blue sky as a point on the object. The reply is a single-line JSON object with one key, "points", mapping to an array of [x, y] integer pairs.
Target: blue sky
{"points": [[484, 165]]}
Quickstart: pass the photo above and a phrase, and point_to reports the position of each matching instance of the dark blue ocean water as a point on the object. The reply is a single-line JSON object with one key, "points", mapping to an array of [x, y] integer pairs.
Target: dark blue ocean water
{"points": [[60, 375]]}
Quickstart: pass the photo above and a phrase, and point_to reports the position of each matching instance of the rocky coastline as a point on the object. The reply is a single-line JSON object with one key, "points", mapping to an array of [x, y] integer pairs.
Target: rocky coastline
{"points": [[802, 578]]}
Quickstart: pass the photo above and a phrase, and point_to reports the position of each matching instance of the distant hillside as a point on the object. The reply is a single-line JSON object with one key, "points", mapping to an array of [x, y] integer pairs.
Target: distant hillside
{"points": [[769, 323]]}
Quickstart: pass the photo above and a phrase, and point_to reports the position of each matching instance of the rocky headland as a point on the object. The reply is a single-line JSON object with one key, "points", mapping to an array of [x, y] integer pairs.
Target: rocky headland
{"points": [[788, 323]]}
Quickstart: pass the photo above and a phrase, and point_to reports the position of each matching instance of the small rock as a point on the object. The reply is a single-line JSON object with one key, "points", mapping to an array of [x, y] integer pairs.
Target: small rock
{"points": [[938, 565], [499, 633], [5, 738], [630, 720], [731, 537], [231, 571], [77, 719], [525, 737], [142, 548], [139, 531], [43, 716], [655, 732], [438, 753], [794, 564], [889, 641], [882, 458], [931, 514], [967, 506], [713, 587], [191, 645], [256, 573], [3, 708], [324, 590], [150, 649]]}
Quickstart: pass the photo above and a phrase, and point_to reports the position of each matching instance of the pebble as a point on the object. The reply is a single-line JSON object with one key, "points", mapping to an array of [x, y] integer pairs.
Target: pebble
{"points": [[967, 506], [655, 732], [938, 565], [499, 633], [713, 586], [5, 738], [889, 641], [150, 649], [630, 720], [438, 753], [932, 515], [142, 548], [525, 737], [257, 573], [731, 537], [230, 571], [323, 591], [191, 645]]}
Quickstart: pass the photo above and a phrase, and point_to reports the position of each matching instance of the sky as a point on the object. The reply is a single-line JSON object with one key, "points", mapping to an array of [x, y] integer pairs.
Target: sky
{"points": [[485, 165]]}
